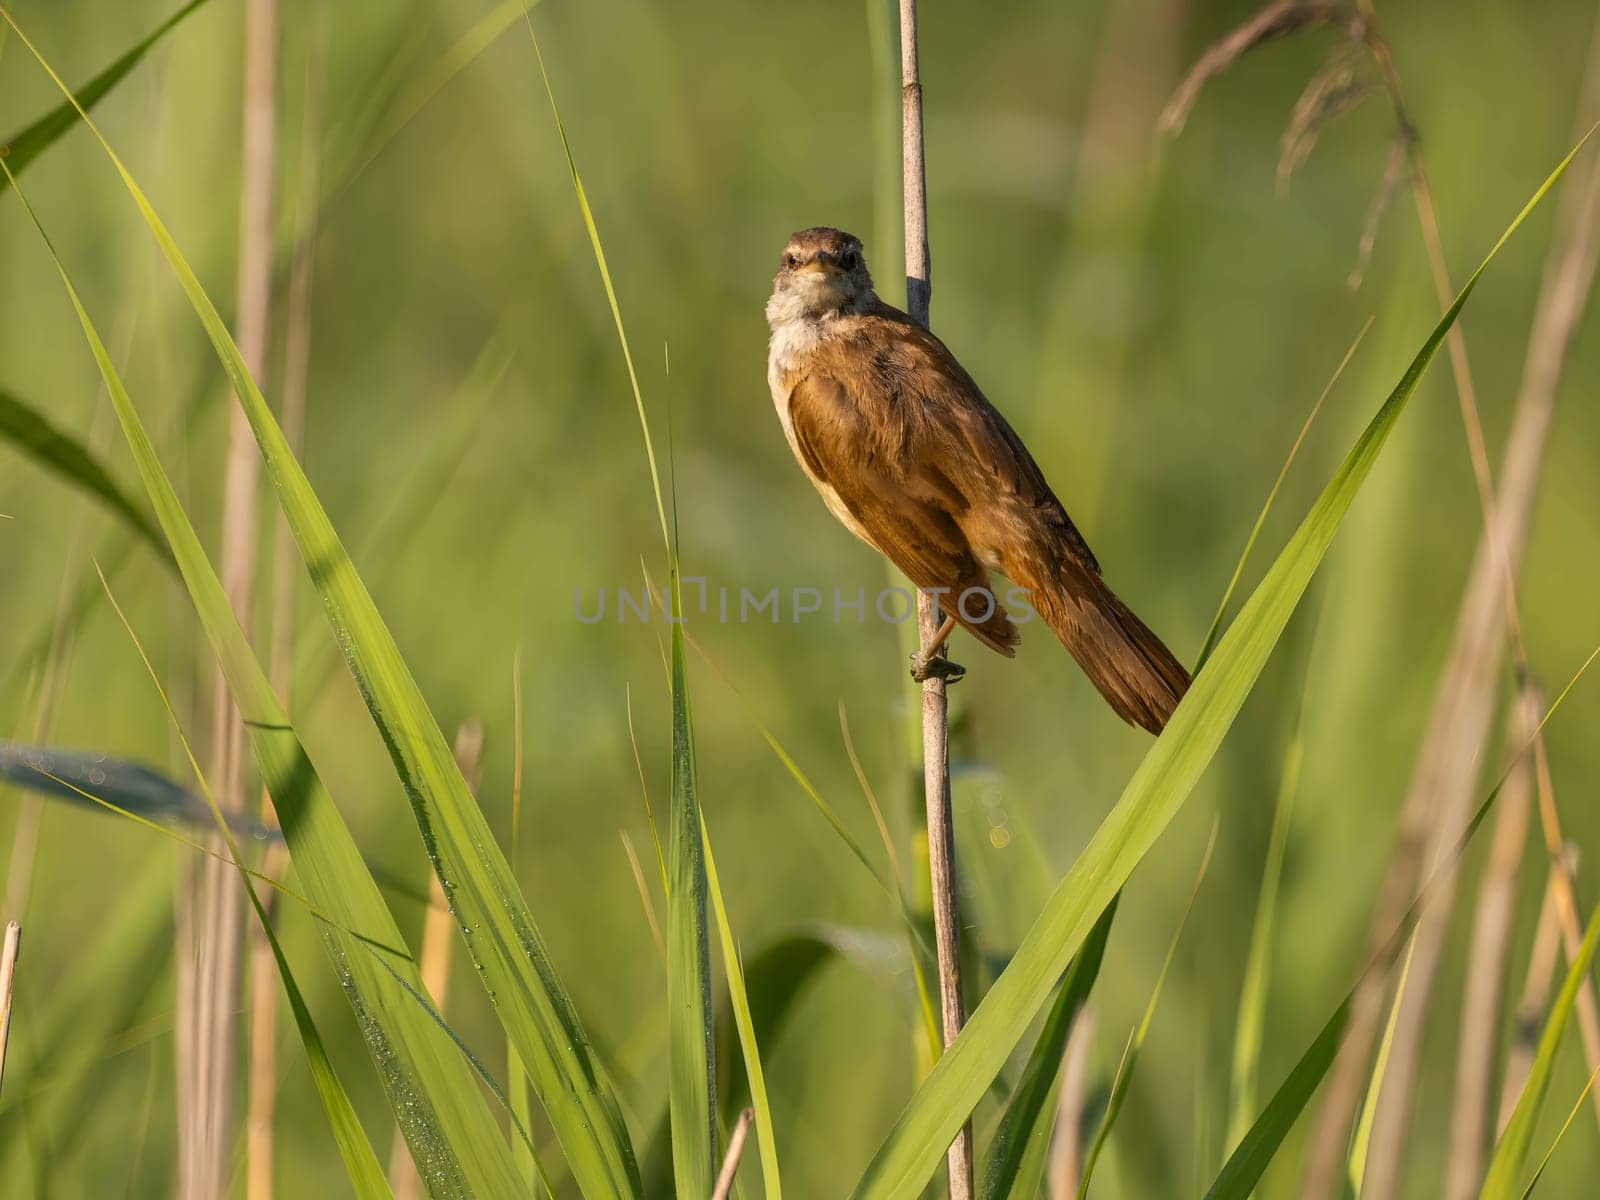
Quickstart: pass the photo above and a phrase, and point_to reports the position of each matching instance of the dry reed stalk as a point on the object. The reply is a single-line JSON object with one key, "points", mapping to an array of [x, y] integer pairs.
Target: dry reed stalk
{"points": [[263, 1091], [1535, 991], [433, 962], [1439, 799], [935, 711], [1567, 915], [1486, 960], [8, 979], [730, 1161], [205, 1099], [1064, 1171], [280, 653]]}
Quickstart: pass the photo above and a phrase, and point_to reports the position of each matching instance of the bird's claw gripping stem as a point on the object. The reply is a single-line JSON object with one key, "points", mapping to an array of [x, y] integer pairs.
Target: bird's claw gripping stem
{"points": [[935, 666]]}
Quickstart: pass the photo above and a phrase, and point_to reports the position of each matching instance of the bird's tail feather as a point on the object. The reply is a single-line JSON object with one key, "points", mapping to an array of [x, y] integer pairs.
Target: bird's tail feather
{"points": [[1131, 667]]}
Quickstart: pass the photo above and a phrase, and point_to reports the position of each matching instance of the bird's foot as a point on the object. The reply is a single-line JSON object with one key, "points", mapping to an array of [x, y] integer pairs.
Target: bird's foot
{"points": [[935, 666]]}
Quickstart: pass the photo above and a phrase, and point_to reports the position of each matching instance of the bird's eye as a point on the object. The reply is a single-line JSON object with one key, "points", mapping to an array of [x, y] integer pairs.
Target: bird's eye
{"points": [[849, 260], [791, 261]]}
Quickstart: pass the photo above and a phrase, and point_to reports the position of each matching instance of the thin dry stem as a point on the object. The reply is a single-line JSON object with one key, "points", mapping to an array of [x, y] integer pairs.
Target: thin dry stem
{"points": [[8, 979], [935, 713], [1274, 21], [1064, 1171], [730, 1161], [262, 1099], [1566, 901], [1438, 803], [1332, 91], [1478, 1039], [1393, 165], [206, 1106], [1535, 992]]}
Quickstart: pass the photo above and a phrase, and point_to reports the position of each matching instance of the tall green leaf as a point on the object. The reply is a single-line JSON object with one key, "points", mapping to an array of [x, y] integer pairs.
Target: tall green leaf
{"points": [[434, 1094], [22, 147], [1017, 1155], [1561, 1134], [1511, 1155], [501, 937], [691, 1033], [744, 1022], [33, 435], [912, 1151]]}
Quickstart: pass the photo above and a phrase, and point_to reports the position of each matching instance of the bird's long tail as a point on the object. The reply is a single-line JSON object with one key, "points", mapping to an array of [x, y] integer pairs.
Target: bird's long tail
{"points": [[1133, 670]]}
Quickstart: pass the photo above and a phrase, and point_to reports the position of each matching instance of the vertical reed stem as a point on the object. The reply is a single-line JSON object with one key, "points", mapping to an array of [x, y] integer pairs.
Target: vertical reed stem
{"points": [[935, 723], [8, 979], [216, 917]]}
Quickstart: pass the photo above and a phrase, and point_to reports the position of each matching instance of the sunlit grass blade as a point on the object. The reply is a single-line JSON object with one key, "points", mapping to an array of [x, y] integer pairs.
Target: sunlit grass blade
{"points": [[1251, 1016], [1356, 1168], [1130, 1055], [1561, 1134], [25, 145], [1511, 1154], [690, 1032], [1018, 1152], [500, 933], [431, 1087], [921, 950], [33, 435], [1249, 1160], [744, 1022], [915, 1145]]}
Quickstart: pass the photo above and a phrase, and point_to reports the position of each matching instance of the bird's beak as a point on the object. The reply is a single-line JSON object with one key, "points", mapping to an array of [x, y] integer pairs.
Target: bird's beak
{"points": [[821, 264]]}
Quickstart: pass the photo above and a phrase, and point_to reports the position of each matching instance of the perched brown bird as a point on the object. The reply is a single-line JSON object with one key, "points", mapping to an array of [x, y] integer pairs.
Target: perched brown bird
{"points": [[915, 462]]}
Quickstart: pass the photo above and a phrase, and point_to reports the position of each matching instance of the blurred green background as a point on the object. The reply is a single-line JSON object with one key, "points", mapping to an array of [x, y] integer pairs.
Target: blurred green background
{"points": [[1153, 315]]}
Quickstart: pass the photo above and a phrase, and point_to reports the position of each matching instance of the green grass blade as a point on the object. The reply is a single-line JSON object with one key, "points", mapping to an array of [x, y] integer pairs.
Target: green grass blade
{"points": [[34, 436], [360, 1163], [1244, 1167], [1130, 1057], [916, 1144], [1510, 1156], [1572, 1114], [500, 933], [431, 1087], [1356, 1167], [691, 1034], [1017, 1155], [691, 1030], [1251, 1018], [744, 1022], [23, 147]]}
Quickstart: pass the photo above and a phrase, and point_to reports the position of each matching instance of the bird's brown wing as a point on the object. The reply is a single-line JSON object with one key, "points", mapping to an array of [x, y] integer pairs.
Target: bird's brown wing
{"points": [[854, 440], [991, 466], [1015, 521]]}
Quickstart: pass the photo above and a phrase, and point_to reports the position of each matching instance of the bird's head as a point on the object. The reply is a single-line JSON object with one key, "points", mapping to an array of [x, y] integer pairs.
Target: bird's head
{"points": [[822, 273]]}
